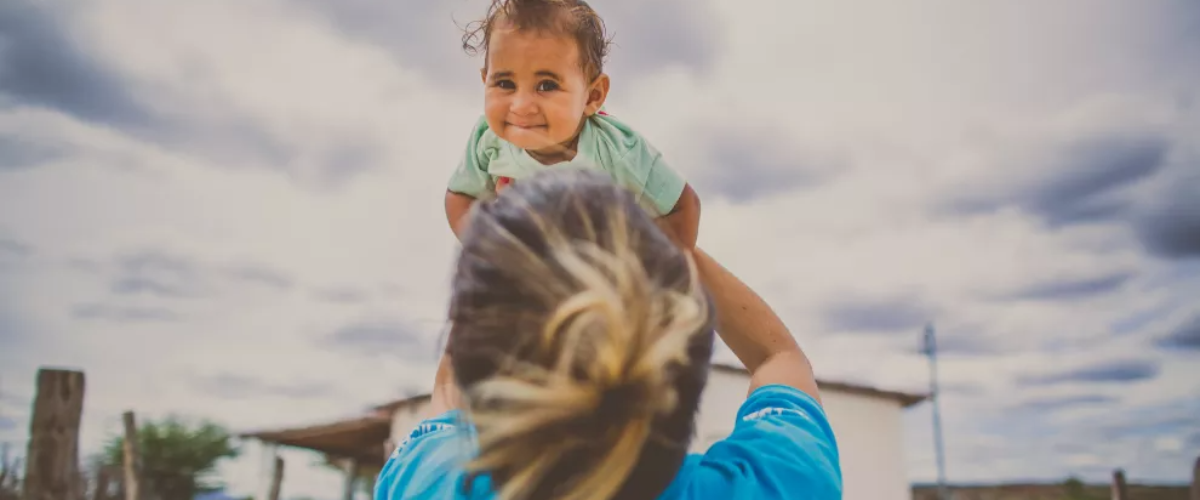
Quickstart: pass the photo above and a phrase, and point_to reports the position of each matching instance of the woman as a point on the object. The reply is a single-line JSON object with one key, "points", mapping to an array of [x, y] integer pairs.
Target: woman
{"points": [[579, 345]]}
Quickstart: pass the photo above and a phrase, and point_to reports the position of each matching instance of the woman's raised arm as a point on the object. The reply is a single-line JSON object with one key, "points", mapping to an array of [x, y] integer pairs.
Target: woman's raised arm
{"points": [[754, 332]]}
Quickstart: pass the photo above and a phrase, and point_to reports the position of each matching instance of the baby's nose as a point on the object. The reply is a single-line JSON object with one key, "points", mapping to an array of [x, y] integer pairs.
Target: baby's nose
{"points": [[524, 104]]}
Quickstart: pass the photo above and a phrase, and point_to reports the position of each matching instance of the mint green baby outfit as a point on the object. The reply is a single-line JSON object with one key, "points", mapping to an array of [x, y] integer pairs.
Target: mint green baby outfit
{"points": [[605, 143]]}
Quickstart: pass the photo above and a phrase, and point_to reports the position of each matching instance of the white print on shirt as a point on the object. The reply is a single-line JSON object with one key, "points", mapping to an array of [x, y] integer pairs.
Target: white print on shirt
{"points": [[767, 412], [421, 430]]}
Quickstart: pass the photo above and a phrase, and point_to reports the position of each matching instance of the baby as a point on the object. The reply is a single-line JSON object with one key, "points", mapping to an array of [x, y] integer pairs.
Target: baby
{"points": [[543, 108]]}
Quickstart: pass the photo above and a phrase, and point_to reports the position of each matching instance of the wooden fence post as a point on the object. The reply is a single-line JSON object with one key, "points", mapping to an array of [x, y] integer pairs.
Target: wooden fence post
{"points": [[52, 461], [4, 472], [101, 491], [1196, 480], [1119, 492], [351, 484], [276, 479], [132, 463]]}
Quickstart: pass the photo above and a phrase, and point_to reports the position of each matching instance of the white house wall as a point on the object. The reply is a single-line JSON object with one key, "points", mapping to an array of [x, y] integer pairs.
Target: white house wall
{"points": [[870, 437], [406, 419], [868, 430]]}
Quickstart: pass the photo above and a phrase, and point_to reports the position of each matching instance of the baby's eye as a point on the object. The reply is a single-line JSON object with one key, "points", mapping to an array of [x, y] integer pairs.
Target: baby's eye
{"points": [[547, 86], [505, 84]]}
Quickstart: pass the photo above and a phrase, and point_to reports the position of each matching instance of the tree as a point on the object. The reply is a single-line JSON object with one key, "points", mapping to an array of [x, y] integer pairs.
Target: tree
{"points": [[178, 457], [10, 475], [1076, 489]]}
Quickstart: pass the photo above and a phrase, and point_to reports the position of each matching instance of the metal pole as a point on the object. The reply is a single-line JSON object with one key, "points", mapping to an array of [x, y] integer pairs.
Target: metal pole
{"points": [[931, 351]]}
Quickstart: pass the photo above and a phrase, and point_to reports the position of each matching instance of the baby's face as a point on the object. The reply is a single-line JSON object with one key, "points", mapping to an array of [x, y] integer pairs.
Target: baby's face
{"points": [[537, 94]]}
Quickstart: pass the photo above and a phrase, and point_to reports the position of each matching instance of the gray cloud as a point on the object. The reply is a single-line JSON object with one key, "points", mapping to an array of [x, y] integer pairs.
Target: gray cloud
{"points": [[1068, 289], [123, 314], [1051, 405], [346, 160], [16, 334], [1186, 336], [426, 34], [964, 389], [1170, 418], [391, 338], [13, 247], [7, 423], [1135, 321], [19, 152], [956, 340], [1169, 225], [1118, 431], [13, 401], [342, 295], [158, 274], [1098, 178], [1082, 180], [166, 275], [42, 64], [970, 344], [1109, 371], [1193, 441], [651, 36], [742, 164], [273, 278], [420, 34], [232, 386], [878, 315]]}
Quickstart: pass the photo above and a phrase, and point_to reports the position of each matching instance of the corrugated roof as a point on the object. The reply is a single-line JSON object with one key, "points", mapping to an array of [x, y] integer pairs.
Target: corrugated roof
{"points": [[362, 438], [359, 438], [906, 399]]}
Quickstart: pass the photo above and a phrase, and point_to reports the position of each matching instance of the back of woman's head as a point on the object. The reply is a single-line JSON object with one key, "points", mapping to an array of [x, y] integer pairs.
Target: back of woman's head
{"points": [[581, 338]]}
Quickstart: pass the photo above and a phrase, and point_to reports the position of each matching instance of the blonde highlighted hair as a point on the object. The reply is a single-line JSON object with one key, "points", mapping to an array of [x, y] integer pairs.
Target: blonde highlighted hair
{"points": [[581, 339]]}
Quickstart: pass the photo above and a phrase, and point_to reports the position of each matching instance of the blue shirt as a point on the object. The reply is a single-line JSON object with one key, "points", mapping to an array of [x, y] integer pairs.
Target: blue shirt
{"points": [[781, 447]]}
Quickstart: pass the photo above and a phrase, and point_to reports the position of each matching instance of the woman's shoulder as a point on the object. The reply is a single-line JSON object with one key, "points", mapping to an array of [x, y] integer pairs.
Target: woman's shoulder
{"points": [[781, 442]]}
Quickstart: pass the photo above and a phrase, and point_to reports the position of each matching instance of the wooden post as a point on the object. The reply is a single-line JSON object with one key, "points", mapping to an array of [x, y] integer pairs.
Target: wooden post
{"points": [[4, 466], [1196, 480], [132, 464], [351, 480], [1119, 492], [276, 479], [101, 491], [51, 463]]}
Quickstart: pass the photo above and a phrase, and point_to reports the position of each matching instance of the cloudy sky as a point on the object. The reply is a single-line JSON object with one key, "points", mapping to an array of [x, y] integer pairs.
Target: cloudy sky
{"points": [[232, 209]]}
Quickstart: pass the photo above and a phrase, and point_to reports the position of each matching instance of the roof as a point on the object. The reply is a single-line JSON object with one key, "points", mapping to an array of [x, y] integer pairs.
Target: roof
{"points": [[906, 399], [360, 438], [363, 438], [402, 403]]}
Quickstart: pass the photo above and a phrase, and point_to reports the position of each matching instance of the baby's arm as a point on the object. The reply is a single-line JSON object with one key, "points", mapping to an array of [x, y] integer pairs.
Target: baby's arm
{"points": [[457, 206], [682, 224], [470, 179]]}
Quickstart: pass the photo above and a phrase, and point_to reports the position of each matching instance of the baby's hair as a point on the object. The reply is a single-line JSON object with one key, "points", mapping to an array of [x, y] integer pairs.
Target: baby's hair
{"points": [[574, 18], [581, 338]]}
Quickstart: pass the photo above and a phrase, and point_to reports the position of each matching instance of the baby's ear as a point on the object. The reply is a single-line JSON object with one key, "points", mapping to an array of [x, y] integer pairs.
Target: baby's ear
{"points": [[483, 74], [597, 93]]}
